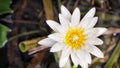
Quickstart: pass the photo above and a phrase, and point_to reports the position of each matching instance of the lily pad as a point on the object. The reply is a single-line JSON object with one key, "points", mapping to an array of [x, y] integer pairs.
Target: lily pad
{"points": [[3, 35], [5, 6]]}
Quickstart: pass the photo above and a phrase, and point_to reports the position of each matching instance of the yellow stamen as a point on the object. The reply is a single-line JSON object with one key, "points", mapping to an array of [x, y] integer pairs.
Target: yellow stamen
{"points": [[75, 37]]}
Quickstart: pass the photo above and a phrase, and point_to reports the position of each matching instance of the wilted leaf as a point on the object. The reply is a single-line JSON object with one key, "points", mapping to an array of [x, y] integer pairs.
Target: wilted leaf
{"points": [[3, 34], [5, 6]]}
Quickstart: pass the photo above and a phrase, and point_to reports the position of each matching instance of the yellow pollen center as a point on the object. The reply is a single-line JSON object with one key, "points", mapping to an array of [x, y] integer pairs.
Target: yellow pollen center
{"points": [[75, 37]]}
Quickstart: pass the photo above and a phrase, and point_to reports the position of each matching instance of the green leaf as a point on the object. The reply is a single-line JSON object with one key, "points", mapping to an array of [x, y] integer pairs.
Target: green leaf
{"points": [[5, 6], [114, 57], [3, 35]]}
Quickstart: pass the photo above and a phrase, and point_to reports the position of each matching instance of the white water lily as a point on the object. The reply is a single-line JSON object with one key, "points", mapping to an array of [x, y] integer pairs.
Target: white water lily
{"points": [[74, 37]]}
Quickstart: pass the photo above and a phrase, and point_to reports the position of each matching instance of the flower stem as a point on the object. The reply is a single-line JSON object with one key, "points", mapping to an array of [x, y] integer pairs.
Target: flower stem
{"points": [[74, 66], [23, 34]]}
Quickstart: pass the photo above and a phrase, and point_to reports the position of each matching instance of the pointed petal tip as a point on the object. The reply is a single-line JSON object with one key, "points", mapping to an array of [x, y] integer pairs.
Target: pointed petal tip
{"points": [[53, 24], [105, 29], [95, 41], [95, 51], [89, 14], [65, 12], [59, 15], [77, 9], [102, 56], [39, 42], [46, 42], [101, 42], [75, 16], [48, 21], [94, 9], [62, 6], [51, 50], [96, 18]]}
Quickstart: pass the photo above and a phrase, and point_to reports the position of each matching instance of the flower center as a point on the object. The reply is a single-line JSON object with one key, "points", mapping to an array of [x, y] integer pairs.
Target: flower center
{"points": [[75, 37]]}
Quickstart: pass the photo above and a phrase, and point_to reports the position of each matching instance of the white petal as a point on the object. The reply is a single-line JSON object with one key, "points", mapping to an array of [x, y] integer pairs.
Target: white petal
{"points": [[64, 57], [56, 37], [65, 12], [62, 29], [57, 47], [92, 23], [88, 57], [47, 42], [91, 33], [85, 23], [85, 65], [89, 14], [75, 59], [95, 41], [54, 25], [81, 59], [95, 51], [75, 17], [83, 54], [80, 54], [101, 30], [95, 32], [63, 21]]}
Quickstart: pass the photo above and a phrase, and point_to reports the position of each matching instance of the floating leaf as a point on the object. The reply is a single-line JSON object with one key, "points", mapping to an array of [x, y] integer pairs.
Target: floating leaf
{"points": [[3, 34], [5, 6]]}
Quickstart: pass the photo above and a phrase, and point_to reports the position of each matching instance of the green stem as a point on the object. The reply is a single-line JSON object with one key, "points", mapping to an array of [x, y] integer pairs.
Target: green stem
{"points": [[114, 57], [23, 34], [74, 66], [29, 44]]}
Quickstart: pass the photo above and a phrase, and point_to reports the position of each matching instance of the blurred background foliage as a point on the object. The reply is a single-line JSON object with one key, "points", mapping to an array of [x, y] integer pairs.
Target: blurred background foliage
{"points": [[27, 22]]}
